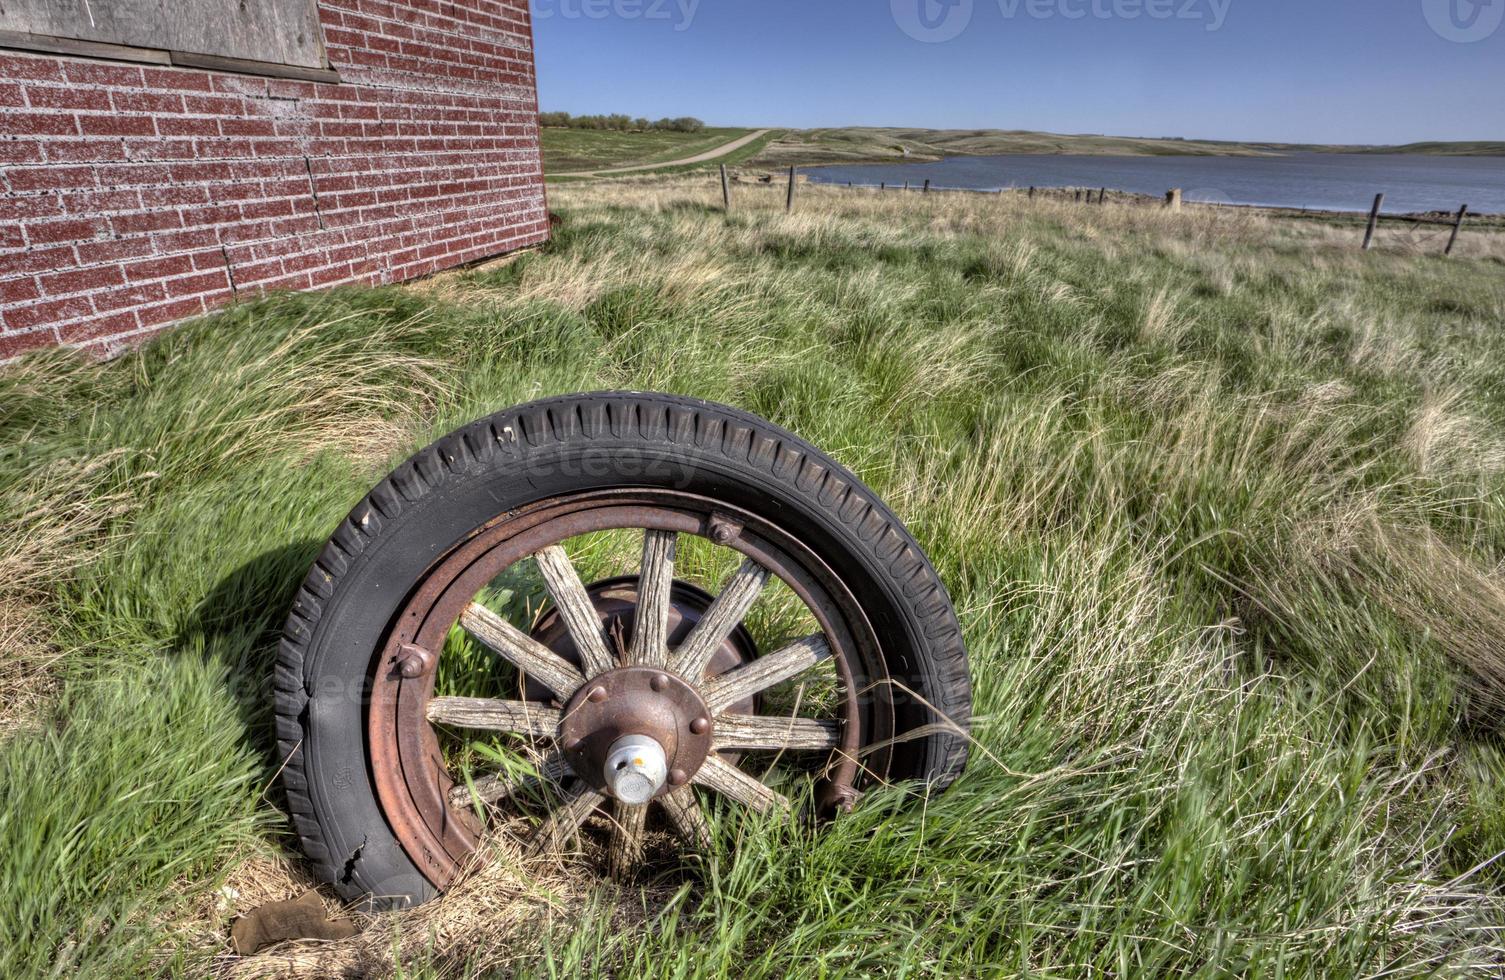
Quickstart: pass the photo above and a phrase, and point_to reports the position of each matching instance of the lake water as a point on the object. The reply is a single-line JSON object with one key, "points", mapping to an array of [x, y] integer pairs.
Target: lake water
{"points": [[1329, 181]]}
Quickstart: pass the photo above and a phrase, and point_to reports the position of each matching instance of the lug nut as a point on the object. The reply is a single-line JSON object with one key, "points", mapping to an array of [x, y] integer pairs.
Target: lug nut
{"points": [[659, 682], [597, 695], [723, 531], [700, 725], [678, 777], [413, 661]]}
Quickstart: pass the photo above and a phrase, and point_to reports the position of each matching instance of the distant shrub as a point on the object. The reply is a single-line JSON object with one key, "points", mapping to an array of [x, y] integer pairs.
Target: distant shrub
{"points": [[620, 123]]}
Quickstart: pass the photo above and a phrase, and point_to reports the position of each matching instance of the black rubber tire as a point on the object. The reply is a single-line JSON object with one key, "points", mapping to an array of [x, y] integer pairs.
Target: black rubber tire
{"points": [[445, 493]]}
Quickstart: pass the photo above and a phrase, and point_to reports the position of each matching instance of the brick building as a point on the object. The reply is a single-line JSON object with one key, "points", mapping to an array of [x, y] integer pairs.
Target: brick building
{"points": [[152, 170]]}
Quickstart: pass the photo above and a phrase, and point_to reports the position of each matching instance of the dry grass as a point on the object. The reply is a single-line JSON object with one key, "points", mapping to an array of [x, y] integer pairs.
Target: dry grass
{"points": [[27, 683], [495, 918]]}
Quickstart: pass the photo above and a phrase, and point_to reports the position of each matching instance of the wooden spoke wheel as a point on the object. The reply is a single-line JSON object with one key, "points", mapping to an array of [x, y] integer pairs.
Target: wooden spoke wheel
{"points": [[417, 658]]}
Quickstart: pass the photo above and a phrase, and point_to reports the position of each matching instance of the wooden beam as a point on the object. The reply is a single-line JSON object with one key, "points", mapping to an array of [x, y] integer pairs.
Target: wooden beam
{"points": [[735, 732], [1374, 221], [1457, 227], [574, 604], [728, 609], [520, 717], [522, 651], [726, 779], [761, 673]]}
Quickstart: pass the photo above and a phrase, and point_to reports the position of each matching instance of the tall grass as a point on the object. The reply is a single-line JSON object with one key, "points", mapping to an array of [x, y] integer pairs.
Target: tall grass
{"points": [[1218, 498]]}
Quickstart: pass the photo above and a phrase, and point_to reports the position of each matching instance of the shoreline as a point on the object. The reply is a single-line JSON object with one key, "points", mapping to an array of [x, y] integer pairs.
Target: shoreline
{"points": [[1490, 219], [1119, 196]]}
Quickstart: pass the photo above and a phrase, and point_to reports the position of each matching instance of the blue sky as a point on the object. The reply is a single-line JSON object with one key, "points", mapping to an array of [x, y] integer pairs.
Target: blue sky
{"points": [[1353, 71]]}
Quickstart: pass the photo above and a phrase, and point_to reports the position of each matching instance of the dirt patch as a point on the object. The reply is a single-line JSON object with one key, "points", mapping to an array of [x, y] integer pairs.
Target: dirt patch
{"points": [[497, 916]]}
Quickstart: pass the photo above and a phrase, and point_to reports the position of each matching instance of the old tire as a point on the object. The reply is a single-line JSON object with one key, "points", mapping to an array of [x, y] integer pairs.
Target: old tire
{"points": [[446, 494]]}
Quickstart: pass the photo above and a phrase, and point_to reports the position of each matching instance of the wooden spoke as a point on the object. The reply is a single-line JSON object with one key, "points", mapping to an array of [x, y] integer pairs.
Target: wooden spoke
{"points": [[683, 808], [764, 672], [497, 787], [527, 654], [564, 822], [577, 611], [772, 732], [736, 598], [650, 632], [521, 717], [728, 780], [626, 851]]}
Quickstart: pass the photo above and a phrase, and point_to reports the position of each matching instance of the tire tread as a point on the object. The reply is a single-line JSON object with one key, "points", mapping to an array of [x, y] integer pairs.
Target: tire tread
{"points": [[738, 436]]}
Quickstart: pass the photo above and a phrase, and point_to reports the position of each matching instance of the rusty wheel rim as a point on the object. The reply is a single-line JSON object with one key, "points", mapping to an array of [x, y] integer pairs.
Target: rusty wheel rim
{"points": [[434, 822]]}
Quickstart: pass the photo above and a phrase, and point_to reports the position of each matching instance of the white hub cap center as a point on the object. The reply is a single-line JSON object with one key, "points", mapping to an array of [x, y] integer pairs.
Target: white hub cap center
{"points": [[636, 769]]}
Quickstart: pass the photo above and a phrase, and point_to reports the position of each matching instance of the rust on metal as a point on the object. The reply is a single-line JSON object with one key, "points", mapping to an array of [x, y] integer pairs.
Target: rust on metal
{"points": [[408, 765], [629, 705], [724, 530], [414, 661]]}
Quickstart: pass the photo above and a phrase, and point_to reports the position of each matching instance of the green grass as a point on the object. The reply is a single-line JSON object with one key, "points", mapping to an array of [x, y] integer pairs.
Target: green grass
{"points": [[573, 150], [1218, 497]]}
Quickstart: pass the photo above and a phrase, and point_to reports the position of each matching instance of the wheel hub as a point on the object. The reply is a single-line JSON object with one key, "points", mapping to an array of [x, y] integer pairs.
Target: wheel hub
{"points": [[631, 708], [636, 769]]}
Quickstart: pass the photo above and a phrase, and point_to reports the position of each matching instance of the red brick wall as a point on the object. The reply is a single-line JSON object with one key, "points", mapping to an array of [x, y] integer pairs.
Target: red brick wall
{"points": [[137, 195]]}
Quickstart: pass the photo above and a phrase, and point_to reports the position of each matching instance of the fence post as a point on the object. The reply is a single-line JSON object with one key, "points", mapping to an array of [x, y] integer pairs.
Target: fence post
{"points": [[1102, 195], [1032, 192], [726, 190], [926, 189], [789, 201], [1457, 227], [883, 185], [1173, 199], [1374, 221]]}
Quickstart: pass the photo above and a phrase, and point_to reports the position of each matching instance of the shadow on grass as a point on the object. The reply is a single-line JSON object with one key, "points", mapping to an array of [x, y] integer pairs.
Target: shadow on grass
{"points": [[239, 625]]}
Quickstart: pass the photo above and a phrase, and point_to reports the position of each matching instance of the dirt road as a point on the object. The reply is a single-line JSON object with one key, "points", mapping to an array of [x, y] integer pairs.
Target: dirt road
{"points": [[711, 154]]}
